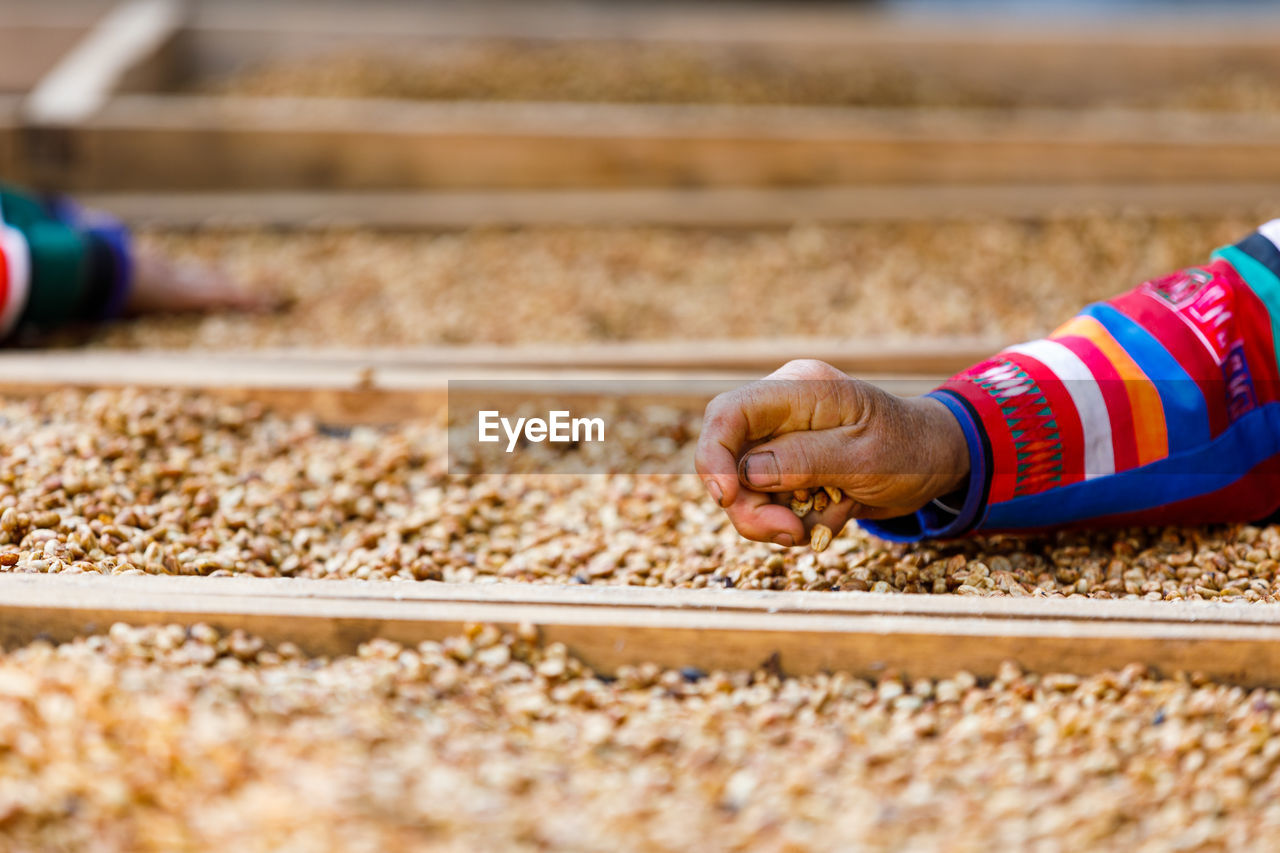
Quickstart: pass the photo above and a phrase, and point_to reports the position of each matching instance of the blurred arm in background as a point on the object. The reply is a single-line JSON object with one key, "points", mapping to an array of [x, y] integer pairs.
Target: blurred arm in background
{"points": [[62, 264]]}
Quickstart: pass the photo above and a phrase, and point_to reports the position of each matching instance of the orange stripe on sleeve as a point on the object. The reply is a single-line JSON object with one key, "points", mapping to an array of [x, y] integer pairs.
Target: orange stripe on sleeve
{"points": [[1148, 410]]}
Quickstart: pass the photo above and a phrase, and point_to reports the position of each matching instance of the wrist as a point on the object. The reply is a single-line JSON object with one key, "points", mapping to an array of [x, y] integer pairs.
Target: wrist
{"points": [[954, 463], [946, 455]]}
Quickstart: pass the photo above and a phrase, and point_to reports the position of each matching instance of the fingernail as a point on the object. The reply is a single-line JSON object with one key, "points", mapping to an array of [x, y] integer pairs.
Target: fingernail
{"points": [[784, 539], [761, 469], [713, 489]]}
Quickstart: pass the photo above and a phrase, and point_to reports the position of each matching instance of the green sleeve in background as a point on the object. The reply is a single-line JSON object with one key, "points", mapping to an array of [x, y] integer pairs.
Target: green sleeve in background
{"points": [[59, 259]]}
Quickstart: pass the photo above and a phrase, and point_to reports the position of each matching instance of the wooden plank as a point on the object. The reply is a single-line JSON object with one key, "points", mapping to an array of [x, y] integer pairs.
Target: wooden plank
{"points": [[337, 367], [196, 369], [918, 643], [923, 357], [720, 207], [370, 391], [80, 83], [352, 393], [339, 394], [1076, 608], [175, 143], [392, 385]]}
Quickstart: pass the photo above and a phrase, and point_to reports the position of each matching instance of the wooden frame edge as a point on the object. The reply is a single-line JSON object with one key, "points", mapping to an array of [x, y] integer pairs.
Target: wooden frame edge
{"points": [[916, 642], [713, 207]]}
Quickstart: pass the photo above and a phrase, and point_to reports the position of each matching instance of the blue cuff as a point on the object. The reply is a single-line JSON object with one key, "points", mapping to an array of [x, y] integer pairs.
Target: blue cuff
{"points": [[933, 521], [120, 241], [115, 235]]}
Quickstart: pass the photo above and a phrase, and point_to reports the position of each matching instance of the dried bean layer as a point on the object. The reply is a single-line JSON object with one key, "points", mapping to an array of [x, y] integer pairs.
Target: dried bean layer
{"points": [[718, 74], [1004, 279], [176, 738]]}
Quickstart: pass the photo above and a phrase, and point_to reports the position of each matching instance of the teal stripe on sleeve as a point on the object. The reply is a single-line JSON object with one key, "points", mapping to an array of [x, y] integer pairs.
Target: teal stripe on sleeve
{"points": [[1262, 281], [59, 260]]}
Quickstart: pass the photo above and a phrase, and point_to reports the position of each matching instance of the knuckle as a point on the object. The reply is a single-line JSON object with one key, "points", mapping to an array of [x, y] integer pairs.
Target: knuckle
{"points": [[716, 403], [810, 368], [721, 408]]}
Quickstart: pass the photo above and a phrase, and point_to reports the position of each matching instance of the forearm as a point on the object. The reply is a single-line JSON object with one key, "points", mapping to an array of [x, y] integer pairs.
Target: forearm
{"points": [[1158, 406]]}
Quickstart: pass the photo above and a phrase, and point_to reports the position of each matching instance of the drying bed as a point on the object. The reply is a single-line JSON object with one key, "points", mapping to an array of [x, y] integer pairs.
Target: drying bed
{"points": [[163, 483], [177, 737], [1003, 279], [851, 100]]}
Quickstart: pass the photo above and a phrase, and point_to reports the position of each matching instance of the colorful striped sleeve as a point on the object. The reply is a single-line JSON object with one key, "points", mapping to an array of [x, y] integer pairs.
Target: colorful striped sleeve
{"points": [[59, 263], [15, 276], [1160, 406]]}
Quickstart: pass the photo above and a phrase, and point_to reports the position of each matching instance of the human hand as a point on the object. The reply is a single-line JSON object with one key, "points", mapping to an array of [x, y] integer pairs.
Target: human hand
{"points": [[161, 285], [809, 425]]}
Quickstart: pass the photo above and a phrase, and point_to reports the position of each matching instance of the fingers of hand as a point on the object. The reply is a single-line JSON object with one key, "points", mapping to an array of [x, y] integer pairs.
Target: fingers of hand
{"points": [[732, 423], [757, 516], [717, 465], [786, 402]]}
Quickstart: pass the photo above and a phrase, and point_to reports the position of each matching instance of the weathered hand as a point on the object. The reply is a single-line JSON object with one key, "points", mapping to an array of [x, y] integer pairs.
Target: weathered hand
{"points": [[809, 425]]}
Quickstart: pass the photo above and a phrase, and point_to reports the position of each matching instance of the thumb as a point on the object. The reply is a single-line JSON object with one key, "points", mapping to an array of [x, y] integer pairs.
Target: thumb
{"points": [[802, 460]]}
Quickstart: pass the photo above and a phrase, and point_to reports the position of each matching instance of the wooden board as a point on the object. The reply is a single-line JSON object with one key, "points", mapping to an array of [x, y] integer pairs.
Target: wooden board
{"points": [[173, 143], [338, 394], [131, 34], [177, 143], [924, 357], [82, 79], [722, 207], [1076, 608], [799, 633], [354, 388]]}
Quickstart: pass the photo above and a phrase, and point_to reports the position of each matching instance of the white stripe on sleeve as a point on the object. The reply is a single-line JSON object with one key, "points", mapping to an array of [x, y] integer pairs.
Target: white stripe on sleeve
{"points": [[13, 243], [1272, 232], [1099, 450]]}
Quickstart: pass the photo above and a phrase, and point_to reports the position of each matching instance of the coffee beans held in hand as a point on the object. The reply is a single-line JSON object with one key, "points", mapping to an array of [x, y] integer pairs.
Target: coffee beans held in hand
{"points": [[801, 502], [820, 537], [804, 501]]}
